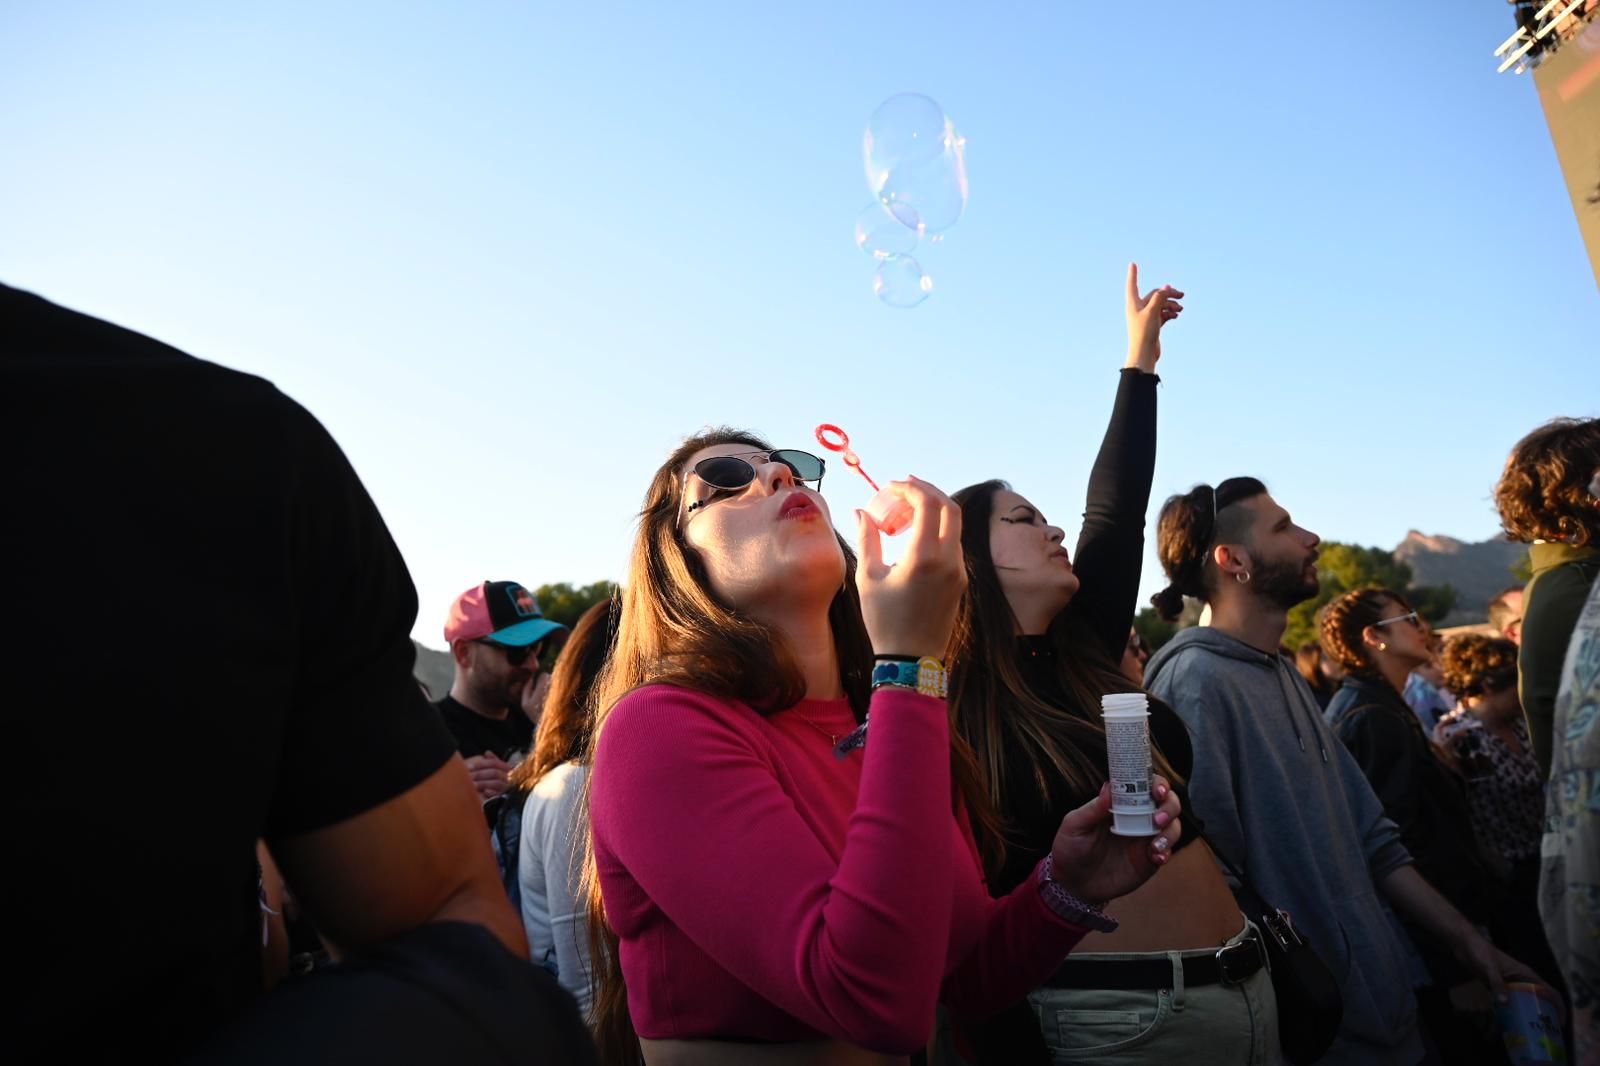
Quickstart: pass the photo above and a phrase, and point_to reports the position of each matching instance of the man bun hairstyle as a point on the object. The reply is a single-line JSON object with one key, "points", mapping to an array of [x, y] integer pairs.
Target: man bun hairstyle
{"points": [[1189, 526]]}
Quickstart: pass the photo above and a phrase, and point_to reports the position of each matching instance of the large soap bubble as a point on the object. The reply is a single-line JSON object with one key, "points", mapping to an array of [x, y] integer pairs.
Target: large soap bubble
{"points": [[916, 163], [908, 128]]}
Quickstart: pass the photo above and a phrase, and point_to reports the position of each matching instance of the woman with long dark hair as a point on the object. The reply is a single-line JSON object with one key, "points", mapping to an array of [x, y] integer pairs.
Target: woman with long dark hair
{"points": [[551, 782], [1037, 644], [784, 883]]}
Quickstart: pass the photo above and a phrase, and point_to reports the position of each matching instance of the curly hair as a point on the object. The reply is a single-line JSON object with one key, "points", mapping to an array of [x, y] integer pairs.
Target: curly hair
{"points": [[1342, 621], [1543, 494], [1474, 664], [1190, 524]]}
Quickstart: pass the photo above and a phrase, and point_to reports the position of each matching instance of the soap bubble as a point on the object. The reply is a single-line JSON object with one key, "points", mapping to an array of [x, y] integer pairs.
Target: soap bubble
{"points": [[931, 193], [900, 282], [904, 130], [917, 172], [880, 234], [916, 163]]}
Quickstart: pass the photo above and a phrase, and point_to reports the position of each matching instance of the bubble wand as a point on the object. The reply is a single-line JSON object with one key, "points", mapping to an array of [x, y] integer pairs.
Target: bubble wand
{"points": [[891, 512]]}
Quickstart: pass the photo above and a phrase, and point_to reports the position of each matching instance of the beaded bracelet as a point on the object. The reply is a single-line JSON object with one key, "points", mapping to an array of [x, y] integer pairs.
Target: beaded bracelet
{"points": [[1070, 908]]}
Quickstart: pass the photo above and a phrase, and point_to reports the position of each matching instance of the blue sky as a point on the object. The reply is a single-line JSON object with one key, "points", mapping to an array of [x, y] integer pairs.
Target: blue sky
{"points": [[510, 253]]}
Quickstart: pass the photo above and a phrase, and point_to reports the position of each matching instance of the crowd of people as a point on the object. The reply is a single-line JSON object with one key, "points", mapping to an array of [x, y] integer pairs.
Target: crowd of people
{"points": [[776, 801]]}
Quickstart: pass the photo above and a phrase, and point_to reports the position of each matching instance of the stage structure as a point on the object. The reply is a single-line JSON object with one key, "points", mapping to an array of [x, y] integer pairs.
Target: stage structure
{"points": [[1559, 40]]}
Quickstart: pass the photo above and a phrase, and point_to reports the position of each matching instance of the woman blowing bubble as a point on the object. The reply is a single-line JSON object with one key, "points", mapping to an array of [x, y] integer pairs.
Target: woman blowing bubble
{"points": [[783, 885]]}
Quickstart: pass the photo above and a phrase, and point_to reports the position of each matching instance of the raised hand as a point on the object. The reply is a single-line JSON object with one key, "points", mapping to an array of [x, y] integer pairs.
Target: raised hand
{"points": [[910, 607], [1146, 315]]}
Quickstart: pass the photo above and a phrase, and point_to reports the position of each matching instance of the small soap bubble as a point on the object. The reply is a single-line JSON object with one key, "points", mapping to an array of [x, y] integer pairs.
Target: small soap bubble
{"points": [[880, 234], [900, 282]]}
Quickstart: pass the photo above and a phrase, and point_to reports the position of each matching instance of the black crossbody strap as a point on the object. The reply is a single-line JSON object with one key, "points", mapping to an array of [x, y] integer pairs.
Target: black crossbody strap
{"points": [[1249, 896]]}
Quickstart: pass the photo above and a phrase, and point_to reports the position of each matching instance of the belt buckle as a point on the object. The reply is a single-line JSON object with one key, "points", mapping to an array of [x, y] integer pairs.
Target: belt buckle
{"points": [[1241, 952]]}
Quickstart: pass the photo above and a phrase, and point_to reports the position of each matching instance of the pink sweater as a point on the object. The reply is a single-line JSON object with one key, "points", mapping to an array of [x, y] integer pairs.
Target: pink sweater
{"points": [[763, 889]]}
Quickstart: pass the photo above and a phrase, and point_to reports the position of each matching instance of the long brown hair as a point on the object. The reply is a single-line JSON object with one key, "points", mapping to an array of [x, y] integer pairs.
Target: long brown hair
{"points": [[675, 631], [564, 724], [991, 705]]}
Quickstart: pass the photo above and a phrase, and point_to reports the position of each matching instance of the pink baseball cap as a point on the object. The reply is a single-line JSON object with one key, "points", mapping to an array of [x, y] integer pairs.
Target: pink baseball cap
{"points": [[502, 611]]}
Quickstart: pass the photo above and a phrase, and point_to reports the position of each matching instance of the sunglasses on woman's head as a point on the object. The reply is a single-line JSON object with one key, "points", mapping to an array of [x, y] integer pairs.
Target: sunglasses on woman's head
{"points": [[1410, 616], [730, 473]]}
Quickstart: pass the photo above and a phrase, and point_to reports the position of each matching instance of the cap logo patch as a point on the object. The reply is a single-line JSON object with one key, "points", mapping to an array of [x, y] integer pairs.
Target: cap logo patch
{"points": [[523, 603]]}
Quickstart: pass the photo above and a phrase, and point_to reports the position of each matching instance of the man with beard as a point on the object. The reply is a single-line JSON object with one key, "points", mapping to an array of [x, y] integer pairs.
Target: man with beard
{"points": [[496, 634], [1278, 794]]}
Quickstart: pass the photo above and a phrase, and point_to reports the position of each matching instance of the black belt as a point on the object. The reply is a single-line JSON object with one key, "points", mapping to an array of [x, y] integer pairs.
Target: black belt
{"points": [[1227, 966]]}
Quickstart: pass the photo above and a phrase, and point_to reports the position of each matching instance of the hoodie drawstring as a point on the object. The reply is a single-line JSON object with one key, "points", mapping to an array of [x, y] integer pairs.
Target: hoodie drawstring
{"points": [[1290, 697]]}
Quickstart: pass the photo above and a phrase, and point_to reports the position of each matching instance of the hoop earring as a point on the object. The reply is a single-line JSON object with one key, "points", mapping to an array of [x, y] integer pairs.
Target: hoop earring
{"points": [[1242, 577]]}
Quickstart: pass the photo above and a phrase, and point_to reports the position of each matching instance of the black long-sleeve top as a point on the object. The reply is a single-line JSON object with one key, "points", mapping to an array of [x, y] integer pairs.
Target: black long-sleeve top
{"points": [[1420, 794], [1107, 562]]}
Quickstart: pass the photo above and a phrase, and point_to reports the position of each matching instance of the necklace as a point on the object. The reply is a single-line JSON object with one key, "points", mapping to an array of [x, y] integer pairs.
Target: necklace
{"points": [[833, 738]]}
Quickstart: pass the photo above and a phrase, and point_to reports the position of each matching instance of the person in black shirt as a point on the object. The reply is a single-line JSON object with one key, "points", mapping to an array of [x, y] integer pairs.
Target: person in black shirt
{"points": [[497, 636], [208, 623], [1379, 639], [1040, 639]]}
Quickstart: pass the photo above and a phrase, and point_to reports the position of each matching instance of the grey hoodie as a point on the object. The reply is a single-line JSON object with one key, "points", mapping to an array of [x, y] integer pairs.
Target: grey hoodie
{"points": [[1283, 799]]}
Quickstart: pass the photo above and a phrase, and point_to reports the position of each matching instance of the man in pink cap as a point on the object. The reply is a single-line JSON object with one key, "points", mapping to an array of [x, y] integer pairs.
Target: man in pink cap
{"points": [[497, 635]]}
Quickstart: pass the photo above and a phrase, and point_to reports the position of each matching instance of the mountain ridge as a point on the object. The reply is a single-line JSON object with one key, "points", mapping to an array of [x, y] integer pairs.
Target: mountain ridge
{"points": [[1478, 571]]}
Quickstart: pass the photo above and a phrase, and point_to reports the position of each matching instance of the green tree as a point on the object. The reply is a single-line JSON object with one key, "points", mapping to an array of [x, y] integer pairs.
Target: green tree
{"points": [[565, 603], [1342, 567], [1156, 632], [1149, 625], [1352, 567], [1433, 602]]}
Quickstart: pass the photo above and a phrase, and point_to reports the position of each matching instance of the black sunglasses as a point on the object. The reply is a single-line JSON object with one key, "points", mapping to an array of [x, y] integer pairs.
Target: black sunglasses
{"points": [[516, 654], [730, 473]]}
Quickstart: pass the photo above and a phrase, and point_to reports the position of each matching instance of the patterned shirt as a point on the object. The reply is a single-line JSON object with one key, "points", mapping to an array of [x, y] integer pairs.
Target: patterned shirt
{"points": [[1569, 883], [1505, 790]]}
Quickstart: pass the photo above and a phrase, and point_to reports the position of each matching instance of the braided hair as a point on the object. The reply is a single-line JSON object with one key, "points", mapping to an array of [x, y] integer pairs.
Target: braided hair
{"points": [[1343, 620]]}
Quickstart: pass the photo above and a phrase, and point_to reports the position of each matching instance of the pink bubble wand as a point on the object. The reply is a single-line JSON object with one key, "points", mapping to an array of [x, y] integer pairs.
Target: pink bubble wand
{"points": [[890, 511]]}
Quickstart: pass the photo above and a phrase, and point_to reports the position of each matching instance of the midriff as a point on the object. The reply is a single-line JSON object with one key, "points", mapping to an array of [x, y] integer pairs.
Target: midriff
{"points": [[1187, 905]]}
